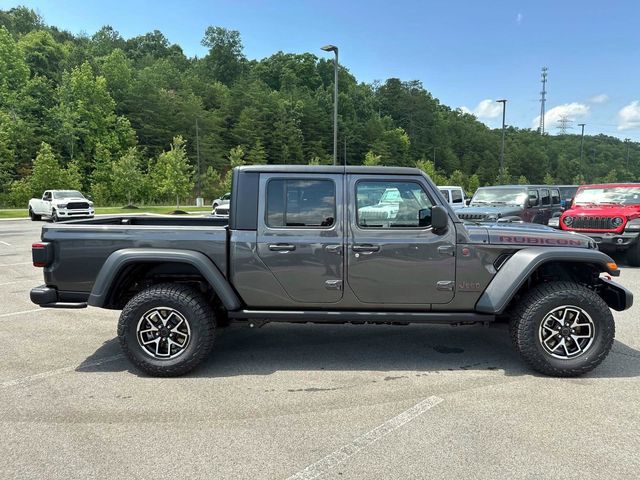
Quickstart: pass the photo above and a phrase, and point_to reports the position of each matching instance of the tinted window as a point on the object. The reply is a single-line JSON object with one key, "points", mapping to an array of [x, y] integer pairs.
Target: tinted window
{"points": [[555, 197], [544, 197], [390, 204], [445, 194], [457, 196], [533, 198], [301, 203]]}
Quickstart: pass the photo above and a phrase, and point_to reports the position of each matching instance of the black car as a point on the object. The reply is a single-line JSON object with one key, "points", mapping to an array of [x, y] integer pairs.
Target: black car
{"points": [[515, 203]]}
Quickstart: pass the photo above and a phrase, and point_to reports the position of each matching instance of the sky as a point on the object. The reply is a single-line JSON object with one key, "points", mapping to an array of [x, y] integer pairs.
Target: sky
{"points": [[466, 53]]}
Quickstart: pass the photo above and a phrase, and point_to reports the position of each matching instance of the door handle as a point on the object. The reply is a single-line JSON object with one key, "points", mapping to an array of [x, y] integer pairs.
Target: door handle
{"points": [[365, 248], [281, 247], [334, 249]]}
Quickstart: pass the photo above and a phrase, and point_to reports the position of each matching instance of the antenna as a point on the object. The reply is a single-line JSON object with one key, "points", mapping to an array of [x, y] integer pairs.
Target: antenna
{"points": [[543, 98]]}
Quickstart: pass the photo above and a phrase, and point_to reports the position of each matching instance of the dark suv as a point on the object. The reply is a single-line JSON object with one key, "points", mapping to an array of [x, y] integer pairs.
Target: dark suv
{"points": [[513, 203]]}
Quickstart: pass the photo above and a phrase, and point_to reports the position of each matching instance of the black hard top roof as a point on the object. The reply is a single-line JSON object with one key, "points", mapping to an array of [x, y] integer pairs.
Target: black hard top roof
{"points": [[337, 169]]}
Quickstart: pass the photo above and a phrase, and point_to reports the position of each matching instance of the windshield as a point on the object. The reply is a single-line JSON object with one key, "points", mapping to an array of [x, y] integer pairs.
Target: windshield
{"points": [[67, 194], [509, 196], [609, 196]]}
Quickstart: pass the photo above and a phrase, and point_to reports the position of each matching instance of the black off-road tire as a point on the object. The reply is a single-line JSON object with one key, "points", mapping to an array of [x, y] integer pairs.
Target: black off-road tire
{"points": [[54, 216], [531, 310], [633, 254], [192, 305], [33, 216]]}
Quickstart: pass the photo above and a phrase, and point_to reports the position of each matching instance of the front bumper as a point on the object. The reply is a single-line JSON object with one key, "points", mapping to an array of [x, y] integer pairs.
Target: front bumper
{"points": [[616, 296], [66, 213], [49, 297], [619, 241]]}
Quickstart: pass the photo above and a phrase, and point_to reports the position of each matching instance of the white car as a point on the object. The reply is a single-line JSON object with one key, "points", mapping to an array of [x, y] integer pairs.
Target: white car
{"points": [[61, 205], [454, 196]]}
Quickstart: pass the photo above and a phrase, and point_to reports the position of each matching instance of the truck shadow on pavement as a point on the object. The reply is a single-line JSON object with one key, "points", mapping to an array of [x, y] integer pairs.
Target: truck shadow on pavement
{"points": [[416, 349]]}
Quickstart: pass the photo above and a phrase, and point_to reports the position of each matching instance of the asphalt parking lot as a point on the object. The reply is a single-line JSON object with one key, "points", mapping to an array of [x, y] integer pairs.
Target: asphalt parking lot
{"points": [[302, 401]]}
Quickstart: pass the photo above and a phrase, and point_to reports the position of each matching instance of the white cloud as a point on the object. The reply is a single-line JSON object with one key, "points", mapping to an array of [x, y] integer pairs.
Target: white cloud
{"points": [[629, 116], [486, 109], [573, 111], [600, 98], [519, 18]]}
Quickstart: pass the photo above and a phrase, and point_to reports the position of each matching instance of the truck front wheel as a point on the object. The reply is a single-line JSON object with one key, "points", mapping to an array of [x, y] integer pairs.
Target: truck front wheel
{"points": [[167, 329], [562, 329]]}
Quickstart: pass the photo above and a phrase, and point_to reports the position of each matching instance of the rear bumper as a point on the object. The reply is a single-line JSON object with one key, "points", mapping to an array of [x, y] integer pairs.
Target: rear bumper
{"points": [[48, 297]]}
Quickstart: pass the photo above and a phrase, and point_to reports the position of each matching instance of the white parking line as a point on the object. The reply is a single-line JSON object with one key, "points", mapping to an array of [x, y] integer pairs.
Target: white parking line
{"points": [[5, 243], [12, 264], [41, 309], [51, 373], [344, 453]]}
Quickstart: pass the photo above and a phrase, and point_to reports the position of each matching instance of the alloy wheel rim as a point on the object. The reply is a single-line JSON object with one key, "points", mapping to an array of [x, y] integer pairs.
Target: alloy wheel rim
{"points": [[163, 333], [566, 332]]}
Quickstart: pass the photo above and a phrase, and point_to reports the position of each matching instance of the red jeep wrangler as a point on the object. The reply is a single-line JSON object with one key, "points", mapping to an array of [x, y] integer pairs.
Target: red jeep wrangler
{"points": [[609, 214]]}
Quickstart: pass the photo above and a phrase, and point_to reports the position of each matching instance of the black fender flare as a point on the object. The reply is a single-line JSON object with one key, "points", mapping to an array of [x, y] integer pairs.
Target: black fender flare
{"points": [[121, 258], [515, 272]]}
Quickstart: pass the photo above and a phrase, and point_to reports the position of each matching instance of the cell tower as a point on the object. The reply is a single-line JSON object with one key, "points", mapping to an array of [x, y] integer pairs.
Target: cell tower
{"points": [[564, 124], [543, 98]]}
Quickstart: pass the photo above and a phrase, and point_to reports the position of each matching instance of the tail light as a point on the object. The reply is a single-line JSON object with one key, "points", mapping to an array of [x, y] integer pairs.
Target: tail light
{"points": [[42, 254]]}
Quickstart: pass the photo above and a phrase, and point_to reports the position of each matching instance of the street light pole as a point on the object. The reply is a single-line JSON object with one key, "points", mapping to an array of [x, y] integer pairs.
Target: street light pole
{"points": [[504, 109], [581, 140], [334, 49]]}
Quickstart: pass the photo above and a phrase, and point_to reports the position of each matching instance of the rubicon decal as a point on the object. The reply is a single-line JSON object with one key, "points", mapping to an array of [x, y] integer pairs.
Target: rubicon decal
{"points": [[539, 240]]}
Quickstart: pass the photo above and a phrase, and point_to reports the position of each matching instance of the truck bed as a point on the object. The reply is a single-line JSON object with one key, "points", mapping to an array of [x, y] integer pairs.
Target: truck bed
{"points": [[81, 247]]}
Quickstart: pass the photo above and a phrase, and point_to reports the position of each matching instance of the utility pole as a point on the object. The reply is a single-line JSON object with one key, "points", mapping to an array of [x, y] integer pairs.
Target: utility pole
{"points": [[504, 109], [543, 98], [434, 157], [198, 185], [334, 49], [628, 142], [581, 140]]}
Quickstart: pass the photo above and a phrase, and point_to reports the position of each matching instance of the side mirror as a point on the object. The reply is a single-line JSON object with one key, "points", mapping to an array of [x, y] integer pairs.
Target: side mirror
{"points": [[435, 216], [467, 201]]}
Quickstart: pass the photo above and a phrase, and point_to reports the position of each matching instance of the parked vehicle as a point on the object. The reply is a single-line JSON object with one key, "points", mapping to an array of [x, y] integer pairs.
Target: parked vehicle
{"points": [[609, 214], [222, 210], [513, 203], [60, 205], [223, 200], [567, 193], [454, 195], [302, 245]]}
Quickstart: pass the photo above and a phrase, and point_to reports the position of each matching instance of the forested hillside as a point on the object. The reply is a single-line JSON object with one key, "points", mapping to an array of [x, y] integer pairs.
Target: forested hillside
{"points": [[124, 119]]}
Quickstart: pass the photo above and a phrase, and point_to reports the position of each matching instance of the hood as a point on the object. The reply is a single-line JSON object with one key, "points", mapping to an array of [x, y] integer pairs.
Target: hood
{"points": [[527, 234], [604, 210], [70, 200], [481, 212]]}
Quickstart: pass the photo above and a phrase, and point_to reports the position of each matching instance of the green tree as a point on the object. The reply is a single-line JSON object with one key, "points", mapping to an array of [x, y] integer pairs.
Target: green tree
{"points": [[43, 54], [257, 155], [172, 175], [127, 177], [522, 180], [371, 159], [225, 58], [548, 179], [14, 71], [211, 184], [427, 167], [472, 184], [504, 177]]}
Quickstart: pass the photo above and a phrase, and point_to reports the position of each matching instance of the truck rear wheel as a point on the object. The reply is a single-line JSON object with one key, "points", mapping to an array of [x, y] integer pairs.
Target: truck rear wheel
{"points": [[33, 216], [167, 330], [562, 329]]}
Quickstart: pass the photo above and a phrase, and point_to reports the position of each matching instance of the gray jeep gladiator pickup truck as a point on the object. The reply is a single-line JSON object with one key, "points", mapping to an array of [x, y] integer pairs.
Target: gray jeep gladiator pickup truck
{"points": [[332, 245]]}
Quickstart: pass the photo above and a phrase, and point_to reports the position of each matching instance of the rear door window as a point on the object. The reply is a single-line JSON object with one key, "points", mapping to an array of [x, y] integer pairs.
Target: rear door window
{"points": [[555, 197], [545, 199], [456, 196], [300, 203], [534, 199], [445, 194]]}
